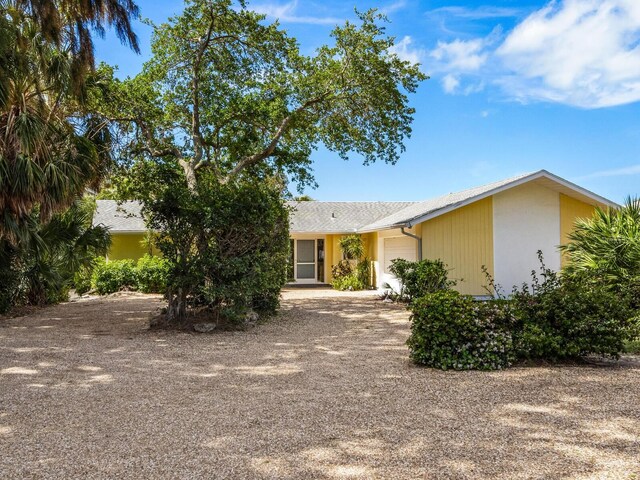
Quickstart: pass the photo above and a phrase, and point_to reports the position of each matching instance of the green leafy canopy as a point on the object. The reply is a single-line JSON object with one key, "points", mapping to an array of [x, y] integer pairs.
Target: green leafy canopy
{"points": [[228, 92]]}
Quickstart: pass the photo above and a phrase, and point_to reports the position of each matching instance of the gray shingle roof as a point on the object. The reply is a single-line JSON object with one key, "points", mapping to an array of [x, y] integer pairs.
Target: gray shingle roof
{"points": [[419, 209], [345, 217], [339, 217], [119, 218]]}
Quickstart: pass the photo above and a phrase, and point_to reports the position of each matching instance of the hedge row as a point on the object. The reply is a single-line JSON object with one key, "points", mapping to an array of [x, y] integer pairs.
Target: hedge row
{"points": [[557, 317], [148, 275]]}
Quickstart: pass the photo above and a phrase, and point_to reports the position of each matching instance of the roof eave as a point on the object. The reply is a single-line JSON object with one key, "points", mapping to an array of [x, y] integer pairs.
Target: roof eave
{"points": [[521, 181]]}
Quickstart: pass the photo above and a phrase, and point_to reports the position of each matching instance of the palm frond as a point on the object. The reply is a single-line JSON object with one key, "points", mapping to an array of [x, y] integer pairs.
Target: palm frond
{"points": [[609, 242]]}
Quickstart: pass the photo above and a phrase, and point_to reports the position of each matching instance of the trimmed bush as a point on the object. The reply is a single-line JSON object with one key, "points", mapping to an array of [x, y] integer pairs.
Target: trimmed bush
{"points": [[148, 275], [420, 278], [113, 276], [451, 331], [152, 274], [557, 317]]}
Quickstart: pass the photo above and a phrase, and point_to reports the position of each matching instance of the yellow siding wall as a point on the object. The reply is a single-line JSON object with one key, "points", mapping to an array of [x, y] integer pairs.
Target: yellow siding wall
{"points": [[329, 246], [126, 246], [333, 253], [463, 239], [571, 210]]}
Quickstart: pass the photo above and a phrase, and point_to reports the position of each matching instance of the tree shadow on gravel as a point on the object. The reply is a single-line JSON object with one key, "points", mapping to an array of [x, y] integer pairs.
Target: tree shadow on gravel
{"points": [[324, 390]]}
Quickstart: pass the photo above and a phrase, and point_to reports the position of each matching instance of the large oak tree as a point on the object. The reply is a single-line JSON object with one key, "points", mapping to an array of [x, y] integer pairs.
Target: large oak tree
{"points": [[228, 99], [227, 92]]}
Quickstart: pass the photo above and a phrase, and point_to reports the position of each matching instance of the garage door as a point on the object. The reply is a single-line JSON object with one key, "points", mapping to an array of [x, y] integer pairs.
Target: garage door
{"points": [[399, 247]]}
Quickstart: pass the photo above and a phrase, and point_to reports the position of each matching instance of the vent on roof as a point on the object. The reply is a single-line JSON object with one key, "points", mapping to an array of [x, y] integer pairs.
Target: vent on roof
{"points": [[333, 216]]}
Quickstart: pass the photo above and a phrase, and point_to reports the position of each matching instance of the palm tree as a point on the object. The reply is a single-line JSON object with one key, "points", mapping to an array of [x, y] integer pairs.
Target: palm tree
{"points": [[608, 243], [42, 271], [68, 242], [51, 147], [69, 24], [50, 150], [352, 247]]}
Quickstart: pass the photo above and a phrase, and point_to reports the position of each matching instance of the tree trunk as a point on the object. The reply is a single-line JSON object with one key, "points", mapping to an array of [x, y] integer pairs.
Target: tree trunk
{"points": [[177, 306], [190, 174]]}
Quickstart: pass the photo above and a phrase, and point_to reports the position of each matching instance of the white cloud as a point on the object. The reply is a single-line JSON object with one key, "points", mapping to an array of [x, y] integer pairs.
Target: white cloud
{"points": [[478, 13], [406, 51], [581, 52], [286, 13], [584, 53], [463, 58], [473, 88], [616, 172], [393, 7], [450, 83], [461, 55]]}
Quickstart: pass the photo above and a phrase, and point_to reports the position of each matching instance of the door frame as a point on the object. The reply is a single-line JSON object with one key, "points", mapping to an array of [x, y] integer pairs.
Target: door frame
{"points": [[315, 239]]}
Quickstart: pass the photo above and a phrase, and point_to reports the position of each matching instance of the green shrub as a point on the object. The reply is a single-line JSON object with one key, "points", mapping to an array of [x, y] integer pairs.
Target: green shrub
{"points": [[345, 277], [556, 317], [113, 276], [632, 347], [227, 245], [631, 291], [42, 270], [267, 302], [151, 274], [348, 282], [363, 272], [352, 246], [571, 316], [420, 278], [11, 283], [451, 331], [82, 280], [342, 269]]}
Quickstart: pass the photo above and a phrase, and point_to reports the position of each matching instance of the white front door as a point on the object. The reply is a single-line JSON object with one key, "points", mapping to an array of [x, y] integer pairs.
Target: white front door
{"points": [[305, 261]]}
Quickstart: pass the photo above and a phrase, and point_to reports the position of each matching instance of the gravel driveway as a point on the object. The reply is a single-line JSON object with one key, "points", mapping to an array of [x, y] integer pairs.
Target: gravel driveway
{"points": [[323, 391]]}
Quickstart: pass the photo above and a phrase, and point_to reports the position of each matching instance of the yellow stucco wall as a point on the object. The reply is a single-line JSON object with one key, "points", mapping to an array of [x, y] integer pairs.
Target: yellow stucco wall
{"points": [[571, 210], [463, 239], [125, 246]]}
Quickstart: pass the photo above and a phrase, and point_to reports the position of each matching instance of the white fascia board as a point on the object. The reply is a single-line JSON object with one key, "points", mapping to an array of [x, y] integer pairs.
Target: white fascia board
{"points": [[577, 188], [323, 232]]}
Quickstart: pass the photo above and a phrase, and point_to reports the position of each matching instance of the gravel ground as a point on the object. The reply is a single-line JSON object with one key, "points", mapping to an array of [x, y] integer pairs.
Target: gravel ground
{"points": [[323, 391]]}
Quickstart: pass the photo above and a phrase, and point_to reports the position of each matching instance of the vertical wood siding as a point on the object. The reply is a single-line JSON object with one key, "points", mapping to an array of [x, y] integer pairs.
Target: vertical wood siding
{"points": [[463, 239], [571, 210]]}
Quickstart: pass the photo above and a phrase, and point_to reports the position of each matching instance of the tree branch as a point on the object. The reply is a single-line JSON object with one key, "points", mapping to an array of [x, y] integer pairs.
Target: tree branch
{"points": [[271, 147]]}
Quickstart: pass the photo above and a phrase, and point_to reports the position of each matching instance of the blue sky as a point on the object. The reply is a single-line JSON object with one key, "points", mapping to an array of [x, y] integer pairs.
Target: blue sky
{"points": [[515, 86]]}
